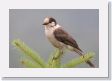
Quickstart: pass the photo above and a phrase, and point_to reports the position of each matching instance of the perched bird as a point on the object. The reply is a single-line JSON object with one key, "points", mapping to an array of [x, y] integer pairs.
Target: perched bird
{"points": [[60, 38]]}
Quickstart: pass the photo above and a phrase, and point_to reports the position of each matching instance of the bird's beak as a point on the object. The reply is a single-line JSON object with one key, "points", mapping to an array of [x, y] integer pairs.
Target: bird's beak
{"points": [[44, 23]]}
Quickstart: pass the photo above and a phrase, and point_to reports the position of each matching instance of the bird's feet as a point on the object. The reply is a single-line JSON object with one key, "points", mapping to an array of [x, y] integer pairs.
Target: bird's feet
{"points": [[83, 56], [54, 58]]}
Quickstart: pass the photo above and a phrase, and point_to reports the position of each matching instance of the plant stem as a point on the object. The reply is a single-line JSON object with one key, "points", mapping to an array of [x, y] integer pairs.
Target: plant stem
{"points": [[29, 52], [55, 59], [77, 61], [30, 64]]}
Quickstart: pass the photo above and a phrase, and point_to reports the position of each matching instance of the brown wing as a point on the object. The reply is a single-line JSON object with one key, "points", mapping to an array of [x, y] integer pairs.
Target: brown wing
{"points": [[65, 38]]}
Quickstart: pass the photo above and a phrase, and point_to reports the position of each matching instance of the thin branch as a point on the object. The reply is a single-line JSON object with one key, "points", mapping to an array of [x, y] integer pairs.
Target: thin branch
{"points": [[55, 59], [29, 52], [77, 61], [30, 64]]}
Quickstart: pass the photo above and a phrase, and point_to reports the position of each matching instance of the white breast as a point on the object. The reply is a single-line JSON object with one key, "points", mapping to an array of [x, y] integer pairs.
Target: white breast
{"points": [[51, 38]]}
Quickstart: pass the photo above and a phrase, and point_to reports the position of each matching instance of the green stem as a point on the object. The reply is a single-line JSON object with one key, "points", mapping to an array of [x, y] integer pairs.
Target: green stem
{"points": [[30, 64], [77, 61], [29, 52], [55, 59]]}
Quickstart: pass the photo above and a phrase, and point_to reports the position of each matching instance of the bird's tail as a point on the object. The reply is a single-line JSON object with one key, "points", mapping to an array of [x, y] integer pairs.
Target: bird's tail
{"points": [[88, 62]]}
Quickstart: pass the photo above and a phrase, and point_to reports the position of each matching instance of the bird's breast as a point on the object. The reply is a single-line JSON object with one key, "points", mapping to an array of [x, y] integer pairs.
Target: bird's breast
{"points": [[49, 34]]}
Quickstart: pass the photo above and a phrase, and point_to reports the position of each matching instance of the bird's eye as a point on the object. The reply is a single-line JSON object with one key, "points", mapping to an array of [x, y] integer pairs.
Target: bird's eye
{"points": [[50, 21]]}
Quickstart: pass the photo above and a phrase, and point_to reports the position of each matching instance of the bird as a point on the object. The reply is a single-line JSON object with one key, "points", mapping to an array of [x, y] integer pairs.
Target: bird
{"points": [[60, 38]]}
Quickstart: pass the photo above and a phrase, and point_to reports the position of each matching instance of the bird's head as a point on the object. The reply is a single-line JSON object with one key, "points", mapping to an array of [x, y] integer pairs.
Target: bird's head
{"points": [[49, 21]]}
